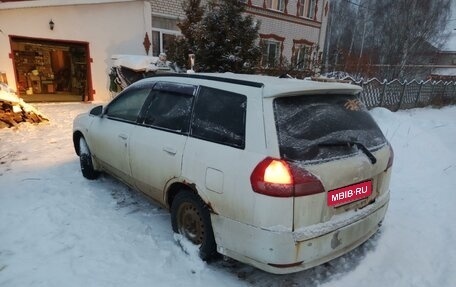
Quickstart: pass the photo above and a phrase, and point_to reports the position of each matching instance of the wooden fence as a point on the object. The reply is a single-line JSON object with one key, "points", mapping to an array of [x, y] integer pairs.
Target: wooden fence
{"points": [[396, 95]]}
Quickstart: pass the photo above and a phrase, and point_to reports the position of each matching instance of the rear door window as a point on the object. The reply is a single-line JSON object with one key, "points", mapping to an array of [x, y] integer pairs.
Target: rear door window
{"points": [[219, 116], [308, 125], [169, 107]]}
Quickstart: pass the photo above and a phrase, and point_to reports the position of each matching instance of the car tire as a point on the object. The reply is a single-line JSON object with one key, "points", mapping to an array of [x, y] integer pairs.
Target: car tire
{"points": [[85, 159], [190, 217]]}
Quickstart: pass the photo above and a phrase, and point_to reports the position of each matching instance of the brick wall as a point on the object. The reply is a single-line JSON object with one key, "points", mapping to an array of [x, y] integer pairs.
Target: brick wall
{"points": [[272, 22]]}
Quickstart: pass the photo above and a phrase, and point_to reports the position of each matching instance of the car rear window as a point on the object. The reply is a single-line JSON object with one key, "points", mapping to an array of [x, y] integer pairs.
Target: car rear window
{"points": [[306, 124]]}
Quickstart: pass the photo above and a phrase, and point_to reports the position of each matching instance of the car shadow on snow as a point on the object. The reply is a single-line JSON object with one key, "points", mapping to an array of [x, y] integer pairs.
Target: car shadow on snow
{"points": [[131, 202]]}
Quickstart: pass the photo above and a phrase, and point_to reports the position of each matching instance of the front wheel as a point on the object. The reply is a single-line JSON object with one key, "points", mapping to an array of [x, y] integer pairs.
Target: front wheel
{"points": [[85, 159], [190, 217]]}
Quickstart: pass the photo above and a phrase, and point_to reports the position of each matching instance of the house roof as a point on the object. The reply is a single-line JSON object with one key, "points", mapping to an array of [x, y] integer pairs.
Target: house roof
{"points": [[450, 45], [444, 71], [5, 5]]}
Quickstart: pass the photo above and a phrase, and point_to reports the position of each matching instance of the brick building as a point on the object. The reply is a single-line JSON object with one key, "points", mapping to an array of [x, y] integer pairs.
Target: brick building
{"points": [[446, 60], [294, 30], [53, 50]]}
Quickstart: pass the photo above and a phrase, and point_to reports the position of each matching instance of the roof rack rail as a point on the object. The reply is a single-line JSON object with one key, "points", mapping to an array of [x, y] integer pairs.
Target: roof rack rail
{"points": [[212, 78]]}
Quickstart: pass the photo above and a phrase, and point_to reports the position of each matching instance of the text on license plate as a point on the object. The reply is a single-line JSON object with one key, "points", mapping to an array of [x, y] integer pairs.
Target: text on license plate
{"points": [[349, 193]]}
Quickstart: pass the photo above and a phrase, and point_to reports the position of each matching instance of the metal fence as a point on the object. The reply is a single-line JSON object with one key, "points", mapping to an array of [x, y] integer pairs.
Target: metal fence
{"points": [[396, 95]]}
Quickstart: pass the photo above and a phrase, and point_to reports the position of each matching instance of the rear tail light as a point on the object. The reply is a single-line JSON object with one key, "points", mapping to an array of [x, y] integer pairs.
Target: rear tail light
{"points": [[278, 172], [275, 177], [391, 157]]}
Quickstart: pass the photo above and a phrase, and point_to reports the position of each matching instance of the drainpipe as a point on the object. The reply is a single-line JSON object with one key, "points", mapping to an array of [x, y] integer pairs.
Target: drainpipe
{"points": [[323, 29]]}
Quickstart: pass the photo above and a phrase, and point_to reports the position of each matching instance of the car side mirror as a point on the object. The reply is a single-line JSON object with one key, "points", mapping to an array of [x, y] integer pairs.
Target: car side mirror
{"points": [[97, 111]]}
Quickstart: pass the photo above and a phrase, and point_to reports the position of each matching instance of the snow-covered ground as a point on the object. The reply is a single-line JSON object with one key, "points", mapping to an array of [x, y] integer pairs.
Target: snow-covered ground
{"points": [[58, 229]]}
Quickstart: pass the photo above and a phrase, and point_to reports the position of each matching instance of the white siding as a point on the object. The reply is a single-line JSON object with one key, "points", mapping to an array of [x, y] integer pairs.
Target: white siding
{"points": [[109, 28]]}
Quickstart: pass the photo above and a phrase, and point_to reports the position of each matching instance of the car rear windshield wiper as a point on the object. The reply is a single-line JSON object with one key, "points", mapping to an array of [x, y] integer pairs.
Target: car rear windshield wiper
{"points": [[359, 145]]}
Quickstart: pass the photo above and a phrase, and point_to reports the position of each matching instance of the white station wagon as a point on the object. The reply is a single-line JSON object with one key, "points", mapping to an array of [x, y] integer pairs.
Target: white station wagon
{"points": [[282, 174]]}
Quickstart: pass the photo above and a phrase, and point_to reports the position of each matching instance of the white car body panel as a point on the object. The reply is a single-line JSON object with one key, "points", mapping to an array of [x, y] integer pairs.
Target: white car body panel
{"points": [[115, 155], [262, 247], [276, 234], [153, 165]]}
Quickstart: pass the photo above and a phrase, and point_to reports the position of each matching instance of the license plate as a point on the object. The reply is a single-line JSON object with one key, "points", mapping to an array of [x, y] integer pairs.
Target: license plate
{"points": [[349, 193]]}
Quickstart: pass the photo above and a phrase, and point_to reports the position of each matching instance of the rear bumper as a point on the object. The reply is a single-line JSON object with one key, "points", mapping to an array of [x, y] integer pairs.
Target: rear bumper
{"points": [[302, 249]]}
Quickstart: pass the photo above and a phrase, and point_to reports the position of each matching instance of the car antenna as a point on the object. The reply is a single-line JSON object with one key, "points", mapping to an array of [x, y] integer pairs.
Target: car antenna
{"points": [[285, 75]]}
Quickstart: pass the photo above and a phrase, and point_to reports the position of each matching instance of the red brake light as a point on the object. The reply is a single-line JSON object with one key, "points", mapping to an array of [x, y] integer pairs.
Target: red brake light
{"points": [[275, 177]]}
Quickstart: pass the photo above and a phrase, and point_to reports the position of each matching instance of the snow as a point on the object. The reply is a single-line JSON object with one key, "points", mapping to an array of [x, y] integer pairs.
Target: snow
{"points": [[8, 95], [59, 229], [444, 71], [136, 62], [450, 44], [140, 63]]}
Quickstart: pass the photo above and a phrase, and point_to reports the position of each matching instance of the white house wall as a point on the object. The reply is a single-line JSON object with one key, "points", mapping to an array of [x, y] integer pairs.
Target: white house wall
{"points": [[109, 28]]}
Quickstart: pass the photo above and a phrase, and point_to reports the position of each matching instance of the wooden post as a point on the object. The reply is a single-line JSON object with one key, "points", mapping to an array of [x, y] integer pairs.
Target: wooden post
{"points": [[419, 93], [402, 96], [382, 98]]}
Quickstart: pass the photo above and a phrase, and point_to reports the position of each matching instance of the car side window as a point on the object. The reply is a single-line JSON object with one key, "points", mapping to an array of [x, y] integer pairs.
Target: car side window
{"points": [[128, 105], [219, 116], [170, 107]]}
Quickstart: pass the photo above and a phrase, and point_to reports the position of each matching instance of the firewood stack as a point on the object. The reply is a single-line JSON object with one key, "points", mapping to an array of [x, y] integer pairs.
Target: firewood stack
{"points": [[11, 114]]}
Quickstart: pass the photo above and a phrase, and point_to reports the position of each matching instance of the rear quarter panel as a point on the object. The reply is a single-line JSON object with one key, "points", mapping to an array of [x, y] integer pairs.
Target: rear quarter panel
{"points": [[236, 199]]}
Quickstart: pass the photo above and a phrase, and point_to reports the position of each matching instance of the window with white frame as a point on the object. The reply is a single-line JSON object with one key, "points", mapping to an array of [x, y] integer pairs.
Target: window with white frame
{"points": [[164, 31], [301, 8], [306, 8], [310, 9], [302, 56], [161, 40], [275, 5], [270, 54]]}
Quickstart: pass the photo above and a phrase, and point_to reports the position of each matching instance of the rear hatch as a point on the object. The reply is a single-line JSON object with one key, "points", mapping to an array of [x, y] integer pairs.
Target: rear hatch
{"points": [[334, 138]]}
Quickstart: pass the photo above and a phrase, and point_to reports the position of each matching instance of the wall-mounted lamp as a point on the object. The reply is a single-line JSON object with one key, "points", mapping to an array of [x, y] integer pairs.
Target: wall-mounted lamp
{"points": [[51, 25]]}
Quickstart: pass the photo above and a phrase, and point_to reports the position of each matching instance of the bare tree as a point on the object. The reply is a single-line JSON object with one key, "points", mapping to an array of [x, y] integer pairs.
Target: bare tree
{"points": [[389, 37]]}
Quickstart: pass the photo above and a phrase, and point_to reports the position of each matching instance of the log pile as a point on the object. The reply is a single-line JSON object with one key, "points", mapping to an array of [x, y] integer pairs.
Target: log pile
{"points": [[13, 110]]}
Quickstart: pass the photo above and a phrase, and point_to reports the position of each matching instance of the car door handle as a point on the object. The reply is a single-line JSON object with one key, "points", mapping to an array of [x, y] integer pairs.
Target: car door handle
{"points": [[123, 136], [169, 150]]}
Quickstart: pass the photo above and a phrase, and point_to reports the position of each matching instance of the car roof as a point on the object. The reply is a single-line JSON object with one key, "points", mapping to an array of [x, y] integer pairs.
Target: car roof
{"points": [[275, 86]]}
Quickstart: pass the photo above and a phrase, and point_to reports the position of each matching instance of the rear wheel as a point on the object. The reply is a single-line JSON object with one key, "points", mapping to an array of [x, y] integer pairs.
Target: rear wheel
{"points": [[85, 159], [190, 217]]}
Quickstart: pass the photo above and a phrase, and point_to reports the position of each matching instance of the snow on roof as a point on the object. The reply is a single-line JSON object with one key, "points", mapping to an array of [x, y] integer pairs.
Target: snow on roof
{"points": [[135, 62], [444, 71], [51, 3], [450, 44]]}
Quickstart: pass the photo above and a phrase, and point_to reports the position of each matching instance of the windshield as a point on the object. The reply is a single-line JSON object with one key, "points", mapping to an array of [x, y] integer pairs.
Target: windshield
{"points": [[308, 124]]}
